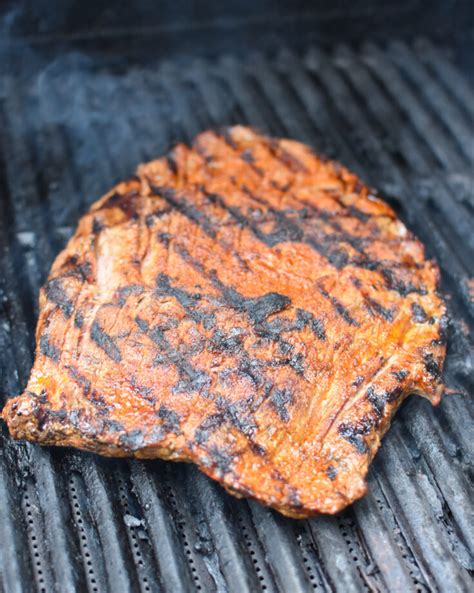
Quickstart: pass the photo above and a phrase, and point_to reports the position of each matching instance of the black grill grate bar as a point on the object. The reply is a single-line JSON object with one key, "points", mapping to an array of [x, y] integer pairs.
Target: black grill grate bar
{"points": [[93, 172], [16, 563], [436, 186], [119, 567], [378, 531], [234, 563], [284, 557], [92, 554], [436, 145], [16, 571], [173, 567], [193, 527], [52, 152], [333, 551], [457, 85], [436, 97], [384, 101], [130, 520], [431, 440], [402, 480]]}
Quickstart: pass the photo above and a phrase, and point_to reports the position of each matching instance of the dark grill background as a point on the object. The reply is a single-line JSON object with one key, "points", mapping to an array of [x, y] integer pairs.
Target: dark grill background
{"points": [[401, 115]]}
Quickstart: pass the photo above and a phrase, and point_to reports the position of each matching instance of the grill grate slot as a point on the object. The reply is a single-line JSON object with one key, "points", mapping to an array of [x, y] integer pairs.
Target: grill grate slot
{"points": [[89, 554], [401, 116]]}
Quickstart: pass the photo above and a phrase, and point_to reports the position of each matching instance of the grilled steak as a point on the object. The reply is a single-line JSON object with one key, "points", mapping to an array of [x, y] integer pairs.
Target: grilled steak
{"points": [[242, 304]]}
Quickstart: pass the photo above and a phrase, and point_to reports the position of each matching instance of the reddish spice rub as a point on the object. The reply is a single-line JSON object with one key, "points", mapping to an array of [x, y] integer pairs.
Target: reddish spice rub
{"points": [[242, 304]]}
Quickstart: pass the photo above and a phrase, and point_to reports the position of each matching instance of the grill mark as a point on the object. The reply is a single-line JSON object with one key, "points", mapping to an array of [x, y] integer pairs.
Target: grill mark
{"points": [[283, 156], [189, 301], [156, 214], [220, 342], [79, 319], [432, 365], [99, 402], [171, 419], [274, 328], [354, 433], [132, 440], [126, 291], [191, 379], [226, 134], [355, 212], [79, 379], [207, 427], [400, 375], [264, 306], [338, 258], [296, 362], [377, 400], [338, 307], [418, 313], [48, 349], [57, 295], [280, 400], [221, 459], [239, 414], [258, 309], [293, 497], [105, 342], [287, 230], [172, 164], [374, 307], [187, 209], [398, 285], [97, 225], [248, 158]]}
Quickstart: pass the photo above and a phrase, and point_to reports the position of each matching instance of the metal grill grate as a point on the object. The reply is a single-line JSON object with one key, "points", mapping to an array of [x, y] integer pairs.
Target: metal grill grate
{"points": [[402, 117]]}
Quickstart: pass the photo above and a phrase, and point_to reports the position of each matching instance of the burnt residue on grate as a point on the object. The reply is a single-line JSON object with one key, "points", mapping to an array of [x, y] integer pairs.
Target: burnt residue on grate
{"points": [[401, 116]]}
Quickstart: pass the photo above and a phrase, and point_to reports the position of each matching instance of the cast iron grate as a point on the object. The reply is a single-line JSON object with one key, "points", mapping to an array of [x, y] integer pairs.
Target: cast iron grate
{"points": [[400, 115]]}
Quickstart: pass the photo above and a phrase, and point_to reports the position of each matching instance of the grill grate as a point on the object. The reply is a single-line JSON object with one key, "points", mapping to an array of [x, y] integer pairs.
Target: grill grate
{"points": [[401, 116]]}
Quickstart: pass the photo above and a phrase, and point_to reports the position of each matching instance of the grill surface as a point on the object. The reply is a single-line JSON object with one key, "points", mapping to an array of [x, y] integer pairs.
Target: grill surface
{"points": [[399, 115]]}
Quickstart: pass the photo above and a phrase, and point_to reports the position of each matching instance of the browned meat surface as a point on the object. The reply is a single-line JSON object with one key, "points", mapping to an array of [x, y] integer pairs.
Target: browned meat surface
{"points": [[244, 305]]}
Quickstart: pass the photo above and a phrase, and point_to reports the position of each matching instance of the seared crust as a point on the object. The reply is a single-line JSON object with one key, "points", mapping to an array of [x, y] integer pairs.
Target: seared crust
{"points": [[242, 304]]}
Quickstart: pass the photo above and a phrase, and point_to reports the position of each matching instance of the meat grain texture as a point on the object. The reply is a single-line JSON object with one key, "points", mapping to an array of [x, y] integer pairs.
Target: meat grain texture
{"points": [[242, 304]]}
